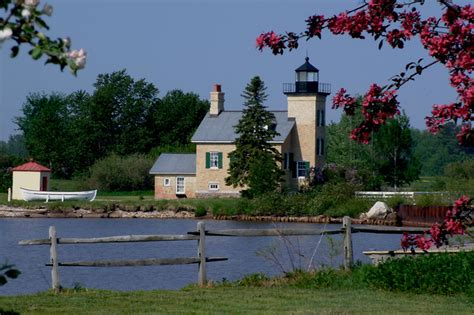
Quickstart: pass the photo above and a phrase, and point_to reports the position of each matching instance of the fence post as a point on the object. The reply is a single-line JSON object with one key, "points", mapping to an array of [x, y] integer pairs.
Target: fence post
{"points": [[54, 259], [9, 194], [348, 253], [202, 254]]}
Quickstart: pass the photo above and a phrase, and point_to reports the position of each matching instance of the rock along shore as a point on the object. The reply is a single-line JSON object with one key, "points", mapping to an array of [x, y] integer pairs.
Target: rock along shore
{"points": [[180, 213]]}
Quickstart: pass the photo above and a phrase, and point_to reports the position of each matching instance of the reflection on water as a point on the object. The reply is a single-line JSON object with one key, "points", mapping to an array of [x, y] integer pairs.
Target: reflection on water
{"points": [[246, 254]]}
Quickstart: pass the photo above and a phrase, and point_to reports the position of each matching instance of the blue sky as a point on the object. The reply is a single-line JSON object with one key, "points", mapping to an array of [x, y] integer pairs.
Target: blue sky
{"points": [[191, 45]]}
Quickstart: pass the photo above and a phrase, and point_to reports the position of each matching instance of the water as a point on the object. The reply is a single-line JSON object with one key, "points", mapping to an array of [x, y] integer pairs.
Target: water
{"points": [[241, 251]]}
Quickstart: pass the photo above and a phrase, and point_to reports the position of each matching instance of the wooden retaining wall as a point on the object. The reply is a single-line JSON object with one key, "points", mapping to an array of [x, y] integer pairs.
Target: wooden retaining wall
{"points": [[417, 215]]}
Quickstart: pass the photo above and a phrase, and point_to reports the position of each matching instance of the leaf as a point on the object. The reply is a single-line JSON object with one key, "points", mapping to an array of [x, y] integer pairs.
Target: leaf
{"points": [[15, 51], [41, 23], [12, 273], [409, 66], [36, 53], [381, 44]]}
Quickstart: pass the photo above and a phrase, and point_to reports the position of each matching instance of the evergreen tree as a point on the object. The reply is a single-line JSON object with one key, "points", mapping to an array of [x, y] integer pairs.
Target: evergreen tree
{"points": [[254, 162]]}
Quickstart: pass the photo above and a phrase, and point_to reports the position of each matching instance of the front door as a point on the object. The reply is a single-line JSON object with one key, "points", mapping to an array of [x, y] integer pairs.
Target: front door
{"points": [[180, 187]]}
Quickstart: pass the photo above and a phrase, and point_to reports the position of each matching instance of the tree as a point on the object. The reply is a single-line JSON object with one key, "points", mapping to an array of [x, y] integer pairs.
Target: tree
{"points": [[395, 160], [448, 39], [387, 158], [24, 25], [438, 150], [254, 162], [177, 117], [123, 110], [45, 126]]}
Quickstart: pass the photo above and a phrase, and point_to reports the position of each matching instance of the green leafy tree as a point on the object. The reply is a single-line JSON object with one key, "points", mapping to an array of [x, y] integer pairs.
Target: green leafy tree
{"points": [[177, 117], [254, 162], [388, 158], [395, 160], [352, 156], [45, 127], [123, 110], [438, 150]]}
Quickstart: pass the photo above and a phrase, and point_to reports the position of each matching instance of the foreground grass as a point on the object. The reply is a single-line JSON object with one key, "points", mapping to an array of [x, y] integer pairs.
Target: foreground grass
{"points": [[237, 300]]}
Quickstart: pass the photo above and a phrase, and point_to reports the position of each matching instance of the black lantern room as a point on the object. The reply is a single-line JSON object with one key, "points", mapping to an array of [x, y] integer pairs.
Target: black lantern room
{"points": [[306, 81], [307, 77]]}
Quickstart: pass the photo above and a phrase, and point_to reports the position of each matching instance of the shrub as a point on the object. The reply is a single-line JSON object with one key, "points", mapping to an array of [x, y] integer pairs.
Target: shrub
{"points": [[330, 196], [116, 173], [396, 201], [352, 207], [431, 273], [268, 204], [253, 280], [431, 200], [200, 211]]}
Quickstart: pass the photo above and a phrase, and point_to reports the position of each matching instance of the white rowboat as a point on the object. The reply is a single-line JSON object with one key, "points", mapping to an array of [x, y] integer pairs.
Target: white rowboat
{"points": [[30, 195]]}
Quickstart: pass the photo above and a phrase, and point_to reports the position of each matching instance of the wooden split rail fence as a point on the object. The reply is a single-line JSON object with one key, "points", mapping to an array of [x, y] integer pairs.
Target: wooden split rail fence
{"points": [[200, 236]]}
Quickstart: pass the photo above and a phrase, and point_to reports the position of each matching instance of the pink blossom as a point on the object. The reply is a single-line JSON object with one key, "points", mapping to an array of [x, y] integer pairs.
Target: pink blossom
{"points": [[423, 243]]}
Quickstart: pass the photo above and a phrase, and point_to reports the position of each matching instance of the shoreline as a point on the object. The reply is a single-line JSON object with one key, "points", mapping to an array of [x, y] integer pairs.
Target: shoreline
{"points": [[38, 213]]}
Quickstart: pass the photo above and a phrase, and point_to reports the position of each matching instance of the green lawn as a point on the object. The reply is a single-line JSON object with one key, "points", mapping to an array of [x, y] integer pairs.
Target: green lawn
{"points": [[238, 300]]}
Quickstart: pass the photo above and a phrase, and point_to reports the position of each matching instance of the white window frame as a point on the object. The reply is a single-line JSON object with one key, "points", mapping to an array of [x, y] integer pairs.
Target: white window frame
{"points": [[214, 159], [180, 188], [216, 188], [166, 182], [301, 169]]}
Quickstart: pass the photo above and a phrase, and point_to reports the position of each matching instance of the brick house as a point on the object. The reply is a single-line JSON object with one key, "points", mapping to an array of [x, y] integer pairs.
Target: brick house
{"points": [[301, 142]]}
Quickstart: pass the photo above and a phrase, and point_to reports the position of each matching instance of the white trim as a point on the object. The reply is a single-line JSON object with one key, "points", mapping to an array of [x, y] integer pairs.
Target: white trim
{"points": [[182, 191], [298, 168], [214, 157], [217, 188], [166, 182]]}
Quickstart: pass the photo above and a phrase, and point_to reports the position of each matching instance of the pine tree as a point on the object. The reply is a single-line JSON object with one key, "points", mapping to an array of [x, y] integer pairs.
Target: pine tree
{"points": [[254, 162]]}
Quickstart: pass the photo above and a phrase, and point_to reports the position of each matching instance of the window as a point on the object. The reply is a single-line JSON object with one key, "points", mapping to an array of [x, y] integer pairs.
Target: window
{"points": [[214, 159], [288, 161], [213, 186], [180, 187], [320, 119], [320, 146], [302, 168], [166, 182]]}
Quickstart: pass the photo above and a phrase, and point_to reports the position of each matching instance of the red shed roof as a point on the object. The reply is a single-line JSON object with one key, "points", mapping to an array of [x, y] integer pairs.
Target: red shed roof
{"points": [[31, 167]]}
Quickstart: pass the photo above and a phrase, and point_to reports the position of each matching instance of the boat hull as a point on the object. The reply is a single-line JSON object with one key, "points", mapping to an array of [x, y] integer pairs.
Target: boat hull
{"points": [[36, 195]]}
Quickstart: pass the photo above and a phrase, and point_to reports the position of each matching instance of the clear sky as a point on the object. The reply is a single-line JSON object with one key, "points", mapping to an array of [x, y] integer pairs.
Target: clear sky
{"points": [[191, 45]]}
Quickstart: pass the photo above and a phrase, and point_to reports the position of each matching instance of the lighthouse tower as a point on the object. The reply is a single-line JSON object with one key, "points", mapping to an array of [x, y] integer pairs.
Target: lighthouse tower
{"points": [[307, 106]]}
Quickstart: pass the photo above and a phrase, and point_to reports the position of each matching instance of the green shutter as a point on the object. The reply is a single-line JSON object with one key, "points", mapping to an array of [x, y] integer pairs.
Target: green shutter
{"points": [[208, 159], [306, 165], [219, 161]]}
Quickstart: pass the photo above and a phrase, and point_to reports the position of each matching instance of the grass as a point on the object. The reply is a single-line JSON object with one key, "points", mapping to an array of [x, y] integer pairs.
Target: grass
{"points": [[237, 300]]}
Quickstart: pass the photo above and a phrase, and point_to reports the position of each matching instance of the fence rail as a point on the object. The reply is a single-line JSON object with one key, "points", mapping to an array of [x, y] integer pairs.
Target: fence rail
{"points": [[389, 194], [200, 236]]}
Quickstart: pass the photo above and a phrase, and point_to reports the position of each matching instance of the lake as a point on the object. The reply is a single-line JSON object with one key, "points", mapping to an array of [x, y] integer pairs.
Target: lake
{"points": [[241, 251]]}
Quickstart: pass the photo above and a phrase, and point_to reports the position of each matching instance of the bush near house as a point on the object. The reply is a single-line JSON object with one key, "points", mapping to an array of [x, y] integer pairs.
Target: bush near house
{"points": [[117, 173]]}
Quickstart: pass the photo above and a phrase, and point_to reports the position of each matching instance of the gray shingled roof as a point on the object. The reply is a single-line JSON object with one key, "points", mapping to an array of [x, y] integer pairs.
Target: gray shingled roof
{"points": [[221, 128], [169, 163]]}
